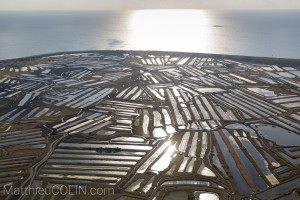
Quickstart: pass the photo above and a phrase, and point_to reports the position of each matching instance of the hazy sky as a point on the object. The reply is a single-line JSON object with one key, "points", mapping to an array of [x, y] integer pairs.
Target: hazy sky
{"points": [[146, 4]]}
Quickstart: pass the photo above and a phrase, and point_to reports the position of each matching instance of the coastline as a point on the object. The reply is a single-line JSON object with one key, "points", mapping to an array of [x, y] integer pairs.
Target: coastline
{"points": [[252, 59]]}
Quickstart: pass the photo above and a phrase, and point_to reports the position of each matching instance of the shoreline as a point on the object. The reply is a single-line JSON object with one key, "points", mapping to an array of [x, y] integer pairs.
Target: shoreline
{"points": [[261, 60]]}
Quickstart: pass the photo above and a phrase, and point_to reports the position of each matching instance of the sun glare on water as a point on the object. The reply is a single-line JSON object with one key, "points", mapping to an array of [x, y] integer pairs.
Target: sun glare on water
{"points": [[187, 30]]}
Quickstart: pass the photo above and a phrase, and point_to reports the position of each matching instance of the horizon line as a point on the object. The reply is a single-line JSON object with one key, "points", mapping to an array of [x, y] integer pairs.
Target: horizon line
{"points": [[118, 9]]}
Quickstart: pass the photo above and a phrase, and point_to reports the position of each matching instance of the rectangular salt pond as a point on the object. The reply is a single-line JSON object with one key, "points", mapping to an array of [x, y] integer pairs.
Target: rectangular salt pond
{"points": [[239, 106], [166, 117], [183, 61], [258, 101], [183, 164], [217, 162], [92, 162], [132, 91], [212, 123], [187, 113], [84, 172], [177, 113], [87, 167], [222, 113], [148, 185], [144, 62], [97, 127], [241, 183], [202, 109], [122, 93], [61, 124], [209, 90], [127, 104], [134, 186], [286, 74], [255, 176], [76, 152], [211, 110], [195, 112], [79, 83], [102, 157], [291, 105], [277, 134], [157, 119], [277, 68], [259, 160], [24, 69], [159, 61], [148, 61], [185, 182], [184, 141], [19, 137], [287, 186], [190, 166], [146, 121], [297, 73], [204, 125], [13, 134], [251, 105], [46, 71], [13, 94], [242, 78], [23, 141], [129, 139], [289, 122], [267, 80], [154, 79], [16, 115], [8, 179], [164, 161], [95, 98], [85, 96], [65, 125], [80, 177], [153, 157], [134, 97], [95, 146], [286, 100], [262, 91], [156, 94], [78, 125], [42, 112], [193, 148], [71, 97], [7, 114], [204, 145]]}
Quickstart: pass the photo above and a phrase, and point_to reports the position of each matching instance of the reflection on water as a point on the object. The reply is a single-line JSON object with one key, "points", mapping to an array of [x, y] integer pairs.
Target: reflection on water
{"points": [[134, 186], [185, 30], [165, 160], [253, 33], [201, 195], [277, 134], [263, 91], [205, 171]]}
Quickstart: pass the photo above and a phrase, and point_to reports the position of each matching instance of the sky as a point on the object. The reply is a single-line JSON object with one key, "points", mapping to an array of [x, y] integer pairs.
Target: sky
{"points": [[146, 4]]}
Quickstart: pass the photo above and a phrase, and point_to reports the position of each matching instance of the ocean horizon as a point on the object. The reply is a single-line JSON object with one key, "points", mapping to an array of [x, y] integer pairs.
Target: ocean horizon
{"points": [[250, 33]]}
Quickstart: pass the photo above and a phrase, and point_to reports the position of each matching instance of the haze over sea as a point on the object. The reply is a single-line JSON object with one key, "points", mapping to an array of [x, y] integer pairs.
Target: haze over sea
{"points": [[252, 33]]}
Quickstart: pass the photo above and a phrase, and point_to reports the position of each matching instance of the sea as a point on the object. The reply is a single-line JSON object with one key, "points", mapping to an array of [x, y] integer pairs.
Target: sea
{"points": [[263, 33]]}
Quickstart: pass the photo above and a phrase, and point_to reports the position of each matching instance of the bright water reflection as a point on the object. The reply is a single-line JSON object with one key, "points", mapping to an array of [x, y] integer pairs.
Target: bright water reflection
{"points": [[253, 33], [165, 160], [187, 30]]}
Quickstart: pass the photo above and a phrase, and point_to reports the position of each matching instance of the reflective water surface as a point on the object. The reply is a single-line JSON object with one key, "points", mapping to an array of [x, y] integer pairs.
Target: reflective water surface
{"points": [[253, 33]]}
